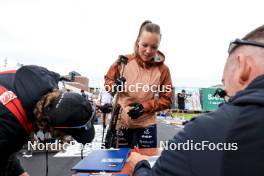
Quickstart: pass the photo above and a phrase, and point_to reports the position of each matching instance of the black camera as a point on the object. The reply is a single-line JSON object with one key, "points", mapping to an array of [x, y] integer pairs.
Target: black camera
{"points": [[220, 92]]}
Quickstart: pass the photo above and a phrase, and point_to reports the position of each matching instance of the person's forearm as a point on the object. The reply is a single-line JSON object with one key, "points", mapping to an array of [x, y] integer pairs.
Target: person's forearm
{"points": [[157, 105]]}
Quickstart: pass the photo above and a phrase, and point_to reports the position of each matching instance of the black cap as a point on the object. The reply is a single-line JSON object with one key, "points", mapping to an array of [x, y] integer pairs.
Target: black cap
{"points": [[31, 83], [69, 112]]}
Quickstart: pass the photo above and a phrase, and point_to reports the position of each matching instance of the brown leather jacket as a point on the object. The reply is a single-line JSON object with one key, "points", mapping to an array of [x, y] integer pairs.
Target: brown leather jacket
{"points": [[146, 83]]}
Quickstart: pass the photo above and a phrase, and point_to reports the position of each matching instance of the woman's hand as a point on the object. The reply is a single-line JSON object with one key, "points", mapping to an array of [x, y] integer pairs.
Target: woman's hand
{"points": [[136, 110]]}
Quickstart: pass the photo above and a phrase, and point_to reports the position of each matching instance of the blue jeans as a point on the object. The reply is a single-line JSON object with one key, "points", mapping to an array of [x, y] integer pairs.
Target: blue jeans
{"points": [[140, 137]]}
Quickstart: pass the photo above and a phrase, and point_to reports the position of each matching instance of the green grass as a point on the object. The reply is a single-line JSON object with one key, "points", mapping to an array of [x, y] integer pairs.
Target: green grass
{"points": [[186, 116]]}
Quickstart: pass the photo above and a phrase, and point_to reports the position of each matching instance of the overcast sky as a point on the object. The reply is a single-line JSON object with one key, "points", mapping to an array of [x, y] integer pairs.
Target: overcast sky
{"points": [[88, 35]]}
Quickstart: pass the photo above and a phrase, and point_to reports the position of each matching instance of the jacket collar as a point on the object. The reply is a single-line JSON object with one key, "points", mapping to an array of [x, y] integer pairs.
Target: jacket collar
{"points": [[157, 60]]}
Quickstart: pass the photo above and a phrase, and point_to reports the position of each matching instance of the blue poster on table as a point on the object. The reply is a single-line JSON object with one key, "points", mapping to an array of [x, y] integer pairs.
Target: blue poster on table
{"points": [[111, 160]]}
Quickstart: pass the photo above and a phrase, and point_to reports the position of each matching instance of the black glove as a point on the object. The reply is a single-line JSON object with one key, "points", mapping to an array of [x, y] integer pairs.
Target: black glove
{"points": [[106, 108], [136, 111], [119, 84]]}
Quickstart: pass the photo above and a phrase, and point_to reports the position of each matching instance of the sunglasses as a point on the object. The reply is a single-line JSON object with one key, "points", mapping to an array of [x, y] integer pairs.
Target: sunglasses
{"points": [[234, 44], [86, 126]]}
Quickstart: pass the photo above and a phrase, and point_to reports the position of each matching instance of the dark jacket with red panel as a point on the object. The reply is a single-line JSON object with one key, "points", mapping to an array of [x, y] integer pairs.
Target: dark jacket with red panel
{"points": [[29, 83]]}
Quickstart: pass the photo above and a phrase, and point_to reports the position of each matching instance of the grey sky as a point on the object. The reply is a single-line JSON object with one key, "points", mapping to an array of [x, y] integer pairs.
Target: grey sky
{"points": [[87, 36]]}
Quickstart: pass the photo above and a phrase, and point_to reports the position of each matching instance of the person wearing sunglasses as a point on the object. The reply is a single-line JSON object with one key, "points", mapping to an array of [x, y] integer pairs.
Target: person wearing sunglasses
{"points": [[30, 101], [228, 141]]}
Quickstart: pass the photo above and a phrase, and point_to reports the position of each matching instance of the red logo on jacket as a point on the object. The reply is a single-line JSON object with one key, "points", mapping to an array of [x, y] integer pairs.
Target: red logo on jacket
{"points": [[7, 96]]}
